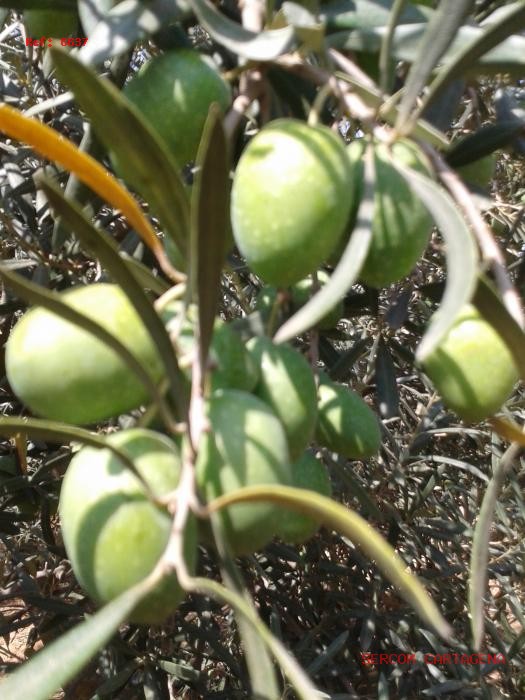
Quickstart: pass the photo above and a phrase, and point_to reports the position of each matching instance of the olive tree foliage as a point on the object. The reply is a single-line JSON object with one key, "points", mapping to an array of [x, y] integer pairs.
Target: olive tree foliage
{"points": [[415, 111]]}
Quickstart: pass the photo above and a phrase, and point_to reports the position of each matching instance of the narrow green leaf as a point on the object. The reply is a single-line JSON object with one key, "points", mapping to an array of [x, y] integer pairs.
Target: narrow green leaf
{"points": [[295, 674], [307, 26], [106, 250], [483, 142], [332, 650], [38, 4], [144, 275], [490, 306], [439, 35], [209, 221], [366, 14], [341, 368], [508, 430], [351, 525], [480, 547], [75, 189], [348, 478], [461, 252], [38, 296], [59, 662], [120, 127], [125, 24], [507, 57], [347, 270], [511, 20], [92, 12], [516, 646], [387, 111], [262, 46], [385, 373], [110, 688], [385, 54], [263, 679], [60, 433]]}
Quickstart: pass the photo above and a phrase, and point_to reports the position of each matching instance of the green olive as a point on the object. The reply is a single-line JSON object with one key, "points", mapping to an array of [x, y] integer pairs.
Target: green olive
{"points": [[472, 368], [113, 534], [64, 373], [346, 424], [246, 446], [290, 200], [307, 473], [174, 92], [287, 385]]}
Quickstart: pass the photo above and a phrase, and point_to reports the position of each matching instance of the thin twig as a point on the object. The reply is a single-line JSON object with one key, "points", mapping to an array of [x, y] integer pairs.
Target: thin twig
{"points": [[251, 83], [353, 104]]}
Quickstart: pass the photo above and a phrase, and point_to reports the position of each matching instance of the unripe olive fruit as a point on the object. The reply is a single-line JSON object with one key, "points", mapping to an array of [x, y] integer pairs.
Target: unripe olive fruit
{"points": [[113, 534], [295, 297], [290, 199], [304, 289], [472, 368], [345, 423], [246, 446], [50, 23], [287, 385], [174, 92], [232, 367], [64, 373], [480, 172], [307, 473], [401, 224]]}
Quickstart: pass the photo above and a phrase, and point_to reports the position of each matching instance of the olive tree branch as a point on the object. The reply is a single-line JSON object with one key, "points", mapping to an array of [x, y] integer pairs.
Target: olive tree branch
{"points": [[251, 82], [352, 103]]}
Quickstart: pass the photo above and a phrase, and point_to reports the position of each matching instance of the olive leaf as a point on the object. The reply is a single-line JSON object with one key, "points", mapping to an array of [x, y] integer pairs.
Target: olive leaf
{"points": [[263, 46], [51, 145], [209, 221], [105, 249], [385, 374], [347, 270], [144, 275], [306, 25], [61, 660], [337, 517], [507, 57], [439, 35], [508, 430], [91, 12], [52, 431], [120, 126], [125, 24], [461, 253], [295, 674], [477, 582], [262, 674], [366, 14], [483, 142], [510, 21], [39, 4]]}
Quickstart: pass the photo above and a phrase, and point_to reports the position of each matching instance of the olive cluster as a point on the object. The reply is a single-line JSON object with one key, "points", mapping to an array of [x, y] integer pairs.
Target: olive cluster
{"points": [[264, 410], [294, 204]]}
